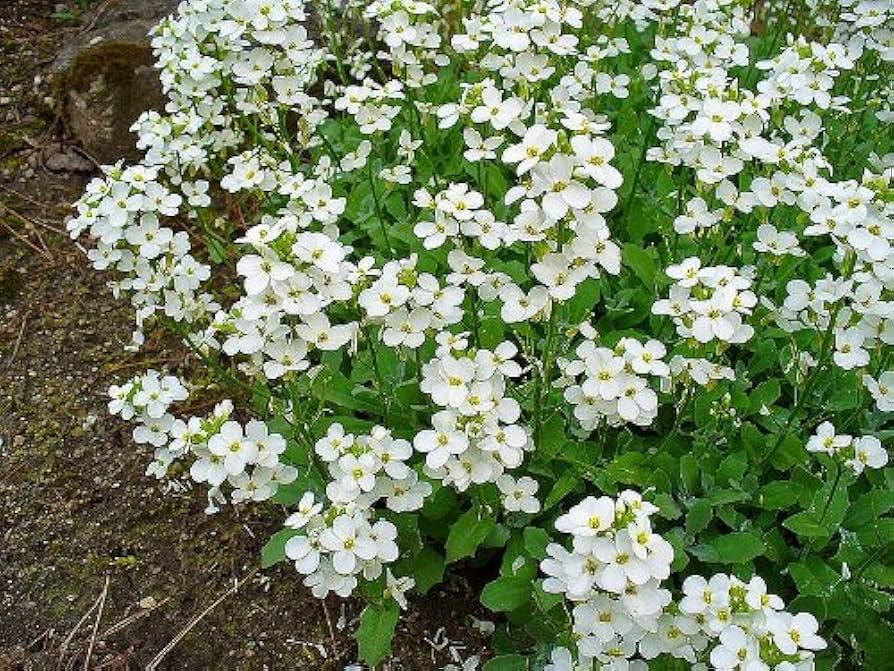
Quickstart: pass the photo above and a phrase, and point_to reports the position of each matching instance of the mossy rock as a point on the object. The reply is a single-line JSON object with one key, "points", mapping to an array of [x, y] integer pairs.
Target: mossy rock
{"points": [[105, 78], [106, 88]]}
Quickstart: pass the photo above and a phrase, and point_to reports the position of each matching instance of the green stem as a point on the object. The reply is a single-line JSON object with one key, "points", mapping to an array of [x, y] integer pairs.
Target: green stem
{"points": [[379, 214], [825, 349], [380, 382], [541, 389]]}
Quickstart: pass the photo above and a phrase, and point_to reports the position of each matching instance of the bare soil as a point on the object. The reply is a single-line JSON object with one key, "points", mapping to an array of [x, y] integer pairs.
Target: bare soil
{"points": [[100, 568]]}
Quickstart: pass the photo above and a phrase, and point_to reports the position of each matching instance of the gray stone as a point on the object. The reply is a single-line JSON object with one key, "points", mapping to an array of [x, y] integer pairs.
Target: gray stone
{"points": [[104, 78], [66, 160]]}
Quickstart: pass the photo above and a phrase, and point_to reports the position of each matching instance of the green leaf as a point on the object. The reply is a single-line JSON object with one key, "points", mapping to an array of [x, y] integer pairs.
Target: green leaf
{"points": [[440, 504], [814, 577], [580, 308], [506, 594], [699, 516], [466, 534], [778, 494], [718, 497], [641, 262], [376, 631], [216, 251], [825, 514], [274, 550], [790, 453], [668, 508], [763, 394], [427, 569], [689, 473], [733, 548], [677, 539], [507, 663], [536, 540], [491, 332], [563, 487], [868, 508]]}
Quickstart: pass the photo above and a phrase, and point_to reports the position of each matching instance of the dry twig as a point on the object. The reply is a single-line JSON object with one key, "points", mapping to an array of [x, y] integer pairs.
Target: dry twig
{"points": [[68, 639], [130, 619], [102, 606], [151, 666], [15, 349]]}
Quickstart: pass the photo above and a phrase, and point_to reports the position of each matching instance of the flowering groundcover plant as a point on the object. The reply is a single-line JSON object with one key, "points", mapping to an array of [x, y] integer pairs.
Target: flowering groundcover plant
{"points": [[597, 295]]}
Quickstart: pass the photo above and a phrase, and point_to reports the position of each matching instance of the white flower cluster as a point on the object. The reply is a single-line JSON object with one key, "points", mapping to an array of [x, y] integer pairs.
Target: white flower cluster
{"points": [[410, 304], [475, 435], [324, 257], [566, 180], [707, 303], [294, 276], [220, 52], [147, 397], [459, 209], [717, 128], [702, 110], [344, 540], [622, 616], [857, 454], [867, 24], [122, 213], [211, 54], [411, 30], [805, 72], [246, 457], [700, 371], [333, 548], [612, 385], [365, 469], [612, 574], [742, 626]]}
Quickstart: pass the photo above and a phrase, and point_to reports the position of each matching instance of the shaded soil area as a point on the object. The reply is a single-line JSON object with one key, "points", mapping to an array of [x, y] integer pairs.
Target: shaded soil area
{"points": [[100, 567]]}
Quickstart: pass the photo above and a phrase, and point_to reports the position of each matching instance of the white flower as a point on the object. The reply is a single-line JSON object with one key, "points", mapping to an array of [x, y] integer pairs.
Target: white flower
{"points": [[737, 650], [849, 351], [444, 440], [868, 453], [305, 552], [519, 306], [383, 297], [317, 331], [349, 542], [518, 495], [308, 508], [320, 251], [538, 139], [826, 440], [231, 445], [793, 632], [397, 588], [497, 112], [561, 192], [771, 241], [588, 518], [480, 148], [594, 155]]}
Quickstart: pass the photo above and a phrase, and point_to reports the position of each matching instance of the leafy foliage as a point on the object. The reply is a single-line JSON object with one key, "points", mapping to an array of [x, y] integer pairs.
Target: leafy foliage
{"points": [[529, 259]]}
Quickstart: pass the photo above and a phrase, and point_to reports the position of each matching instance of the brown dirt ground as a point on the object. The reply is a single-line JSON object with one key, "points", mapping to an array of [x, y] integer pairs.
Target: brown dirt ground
{"points": [[92, 552]]}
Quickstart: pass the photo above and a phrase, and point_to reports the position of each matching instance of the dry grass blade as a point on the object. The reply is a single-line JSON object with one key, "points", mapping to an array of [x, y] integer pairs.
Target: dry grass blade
{"points": [[63, 649], [151, 666], [130, 619], [102, 606], [18, 343], [24, 240]]}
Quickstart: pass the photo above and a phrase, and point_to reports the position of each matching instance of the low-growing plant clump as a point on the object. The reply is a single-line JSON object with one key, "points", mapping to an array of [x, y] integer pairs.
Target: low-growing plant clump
{"points": [[597, 295]]}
